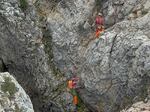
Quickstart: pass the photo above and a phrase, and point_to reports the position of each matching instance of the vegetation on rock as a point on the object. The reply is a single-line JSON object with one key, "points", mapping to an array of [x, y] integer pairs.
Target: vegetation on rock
{"points": [[9, 86], [23, 4]]}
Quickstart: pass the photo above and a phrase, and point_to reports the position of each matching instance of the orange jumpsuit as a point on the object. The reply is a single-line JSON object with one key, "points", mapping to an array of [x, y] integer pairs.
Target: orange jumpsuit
{"points": [[98, 32], [75, 100], [70, 84], [99, 25]]}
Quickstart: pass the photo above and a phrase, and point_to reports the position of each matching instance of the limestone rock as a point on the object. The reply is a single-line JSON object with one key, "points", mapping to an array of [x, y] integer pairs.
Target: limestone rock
{"points": [[115, 67], [118, 10], [13, 98], [139, 107], [23, 53]]}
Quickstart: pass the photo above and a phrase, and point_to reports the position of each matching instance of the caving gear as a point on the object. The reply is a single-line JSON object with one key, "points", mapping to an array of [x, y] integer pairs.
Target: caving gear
{"points": [[74, 84], [75, 81], [75, 100], [99, 21], [70, 84], [71, 88], [99, 25], [98, 32]]}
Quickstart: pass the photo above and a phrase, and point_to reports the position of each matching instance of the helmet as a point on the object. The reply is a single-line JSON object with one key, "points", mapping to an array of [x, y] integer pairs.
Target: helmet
{"points": [[100, 14]]}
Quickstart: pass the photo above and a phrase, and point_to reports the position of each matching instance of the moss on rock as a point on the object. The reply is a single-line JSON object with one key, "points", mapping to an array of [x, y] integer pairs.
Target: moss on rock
{"points": [[23, 4], [8, 86]]}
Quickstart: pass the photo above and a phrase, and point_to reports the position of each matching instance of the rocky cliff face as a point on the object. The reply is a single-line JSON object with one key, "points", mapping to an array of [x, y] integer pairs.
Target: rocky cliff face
{"points": [[12, 96], [43, 41], [22, 52], [139, 107], [115, 67]]}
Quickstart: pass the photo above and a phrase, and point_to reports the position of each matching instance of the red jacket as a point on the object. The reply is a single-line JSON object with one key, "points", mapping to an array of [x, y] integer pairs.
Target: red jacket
{"points": [[99, 20]]}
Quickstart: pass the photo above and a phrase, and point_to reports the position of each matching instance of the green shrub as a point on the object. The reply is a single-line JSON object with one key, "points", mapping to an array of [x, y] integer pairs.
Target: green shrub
{"points": [[8, 86], [23, 4]]}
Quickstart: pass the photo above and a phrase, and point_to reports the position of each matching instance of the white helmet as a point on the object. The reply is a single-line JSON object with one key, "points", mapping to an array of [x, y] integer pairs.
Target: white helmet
{"points": [[100, 14]]}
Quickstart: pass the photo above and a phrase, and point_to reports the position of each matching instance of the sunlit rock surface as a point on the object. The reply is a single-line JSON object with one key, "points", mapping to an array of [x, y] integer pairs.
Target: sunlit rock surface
{"points": [[114, 69], [139, 107], [13, 98]]}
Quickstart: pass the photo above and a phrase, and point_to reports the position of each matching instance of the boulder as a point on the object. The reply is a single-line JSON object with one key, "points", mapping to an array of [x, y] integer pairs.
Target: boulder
{"points": [[13, 98], [138, 107]]}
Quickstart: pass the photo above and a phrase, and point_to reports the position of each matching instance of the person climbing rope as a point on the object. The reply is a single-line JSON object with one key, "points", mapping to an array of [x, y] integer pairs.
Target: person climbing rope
{"points": [[72, 85], [99, 25]]}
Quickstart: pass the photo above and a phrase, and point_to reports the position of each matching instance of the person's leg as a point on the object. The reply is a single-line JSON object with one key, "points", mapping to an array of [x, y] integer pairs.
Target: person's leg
{"points": [[76, 109]]}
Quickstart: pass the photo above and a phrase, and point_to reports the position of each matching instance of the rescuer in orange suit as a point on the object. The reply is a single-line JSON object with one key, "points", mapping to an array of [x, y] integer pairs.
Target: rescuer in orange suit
{"points": [[99, 21]]}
